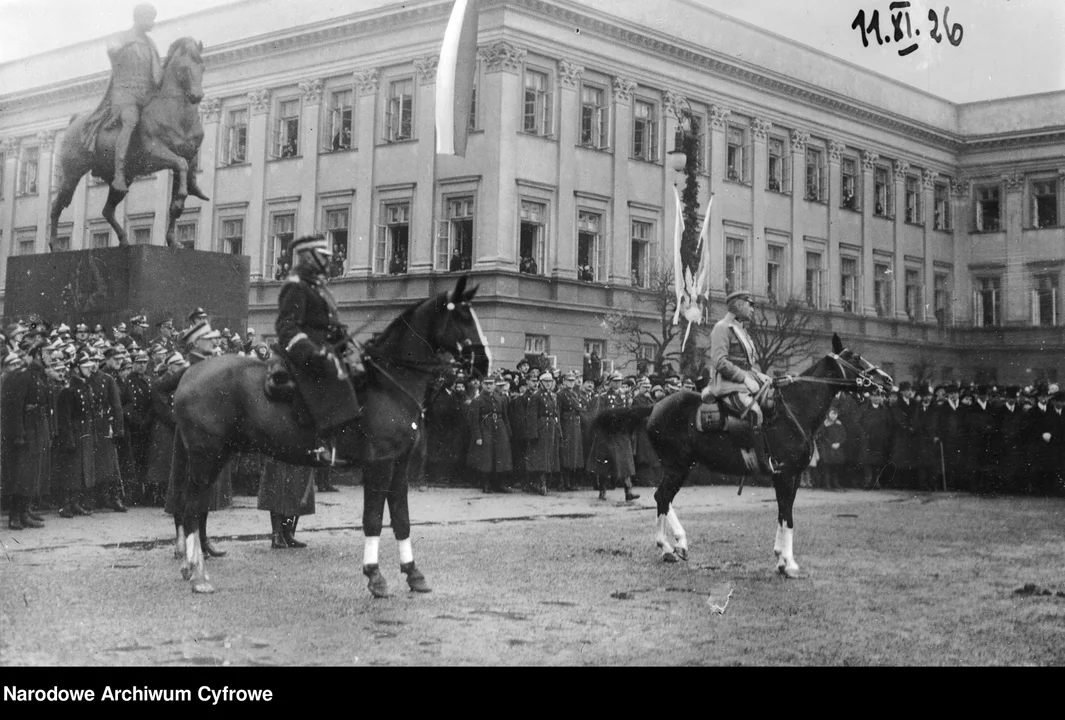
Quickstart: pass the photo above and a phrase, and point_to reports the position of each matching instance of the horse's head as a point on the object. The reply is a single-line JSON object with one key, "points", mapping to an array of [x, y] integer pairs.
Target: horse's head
{"points": [[185, 60], [457, 331], [855, 367]]}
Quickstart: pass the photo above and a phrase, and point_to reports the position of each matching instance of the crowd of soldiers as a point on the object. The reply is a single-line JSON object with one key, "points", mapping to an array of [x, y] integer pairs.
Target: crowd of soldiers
{"points": [[86, 418], [958, 437]]}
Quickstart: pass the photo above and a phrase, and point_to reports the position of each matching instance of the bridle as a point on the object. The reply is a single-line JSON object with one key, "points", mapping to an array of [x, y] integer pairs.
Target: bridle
{"points": [[863, 378]]}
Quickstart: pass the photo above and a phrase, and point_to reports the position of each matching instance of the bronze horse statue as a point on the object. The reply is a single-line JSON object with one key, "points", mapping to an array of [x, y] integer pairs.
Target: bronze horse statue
{"points": [[168, 136], [802, 405], [220, 408]]}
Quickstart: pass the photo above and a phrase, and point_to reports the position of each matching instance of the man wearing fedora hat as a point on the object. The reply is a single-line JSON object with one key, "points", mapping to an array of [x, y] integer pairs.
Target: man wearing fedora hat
{"points": [[734, 379], [310, 334]]}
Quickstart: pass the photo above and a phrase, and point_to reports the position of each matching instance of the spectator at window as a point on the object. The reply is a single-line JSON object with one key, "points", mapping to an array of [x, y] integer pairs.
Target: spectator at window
{"points": [[528, 265], [399, 263], [774, 184], [342, 140], [585, 274], [456, 262]]}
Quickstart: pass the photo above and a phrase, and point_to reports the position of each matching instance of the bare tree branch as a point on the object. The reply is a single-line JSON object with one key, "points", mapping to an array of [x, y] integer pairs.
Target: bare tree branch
{"points": [[782, 332], [630, 327]]}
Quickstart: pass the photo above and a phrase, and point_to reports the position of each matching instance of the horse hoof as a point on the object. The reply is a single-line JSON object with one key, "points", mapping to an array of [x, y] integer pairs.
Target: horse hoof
{"points": [[669, 557], [415, 579], [377, 584], [179, 554], [681, 553], [791, 573], [202, 587]]}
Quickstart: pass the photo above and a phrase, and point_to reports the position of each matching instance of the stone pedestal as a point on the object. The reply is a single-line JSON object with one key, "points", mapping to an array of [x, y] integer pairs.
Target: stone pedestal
{"points": [[110, 285]]}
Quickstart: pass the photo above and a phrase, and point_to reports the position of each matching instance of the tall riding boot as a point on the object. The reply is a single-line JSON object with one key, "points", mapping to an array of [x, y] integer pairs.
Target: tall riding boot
{"points": [[114, 501], [277, 540], [541, 486], [24, 514], [288, 527], [67, 511], [29, 511], [14, 520], [601, 484], [486, 482], [205, 542], [629, 494]]}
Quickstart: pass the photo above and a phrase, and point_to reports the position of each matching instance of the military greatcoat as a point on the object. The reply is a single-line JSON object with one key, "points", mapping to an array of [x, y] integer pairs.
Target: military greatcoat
{"points": [[27, 408], [570, 406], [611, 454], [488, 422], [76, 409], [544, 432], [648, 464]]}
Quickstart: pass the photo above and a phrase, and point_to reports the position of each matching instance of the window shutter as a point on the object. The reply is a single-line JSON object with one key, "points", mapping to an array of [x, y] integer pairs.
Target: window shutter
{"points": [[277, 139], [748, 156], [548, 114], [1035, 307], [380, 249], [978, 310], [443, 244], [390, 115]]}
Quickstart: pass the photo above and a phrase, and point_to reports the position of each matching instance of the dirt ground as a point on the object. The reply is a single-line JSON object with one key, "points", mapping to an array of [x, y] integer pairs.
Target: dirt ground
{"points": [[888, 578]]}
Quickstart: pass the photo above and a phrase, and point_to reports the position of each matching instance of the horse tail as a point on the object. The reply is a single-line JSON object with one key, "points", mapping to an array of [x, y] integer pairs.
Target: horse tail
{"points": [[621, 419]]}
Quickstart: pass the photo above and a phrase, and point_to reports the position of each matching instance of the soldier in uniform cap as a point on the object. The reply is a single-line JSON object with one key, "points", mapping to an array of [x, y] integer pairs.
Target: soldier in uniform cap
{"points": [[121, 335], [610, 456], [166, 335], [26, 404], [81, 334], [197, 315], [571, 404], [734, 379], [199, 342], [489, 452], [311, 335]]}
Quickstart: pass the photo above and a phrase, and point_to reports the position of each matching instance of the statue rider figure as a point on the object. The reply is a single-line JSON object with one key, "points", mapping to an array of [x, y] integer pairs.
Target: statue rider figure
{"points": [[310, 334], [734, 378], [136, 72]]}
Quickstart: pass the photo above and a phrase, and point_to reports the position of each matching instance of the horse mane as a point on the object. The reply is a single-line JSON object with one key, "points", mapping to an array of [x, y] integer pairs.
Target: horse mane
{"points": [[402, 321], [177, 48]]}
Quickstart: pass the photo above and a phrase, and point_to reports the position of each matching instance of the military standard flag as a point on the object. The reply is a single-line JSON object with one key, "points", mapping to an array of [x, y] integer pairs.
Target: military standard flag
{"points": [[455, 75]]}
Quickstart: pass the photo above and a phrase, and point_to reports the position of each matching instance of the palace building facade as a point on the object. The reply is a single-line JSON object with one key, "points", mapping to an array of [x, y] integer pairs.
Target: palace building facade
{"points": [[924, 232]]}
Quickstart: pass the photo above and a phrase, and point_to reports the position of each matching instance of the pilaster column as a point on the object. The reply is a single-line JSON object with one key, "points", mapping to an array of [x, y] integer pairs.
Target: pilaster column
{"points": [[928, 191], [363, 236], [799, 138], [502, 93], [759, 172], [424, 226], [258, 142], [311, 90], [619, 272], [46, 144], [868, 190], [835, 181], [10, 148], [563, 259], [961, 291], [719, 117], [898, 284], [1015, 306]]}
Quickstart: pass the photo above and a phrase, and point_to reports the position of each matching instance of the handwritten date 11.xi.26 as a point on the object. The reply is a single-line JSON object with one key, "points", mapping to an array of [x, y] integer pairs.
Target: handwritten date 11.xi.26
{"points": [[902, 28]]}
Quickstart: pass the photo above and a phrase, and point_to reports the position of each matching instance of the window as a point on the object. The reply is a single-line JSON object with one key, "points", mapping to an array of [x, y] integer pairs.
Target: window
{"points": [[454, 243], [232, 240], [185, 234], [779, 170], [645, 353], [813, 279], [537, 107], [884, 204], [848, 168], [913, 200], [531, 237], [941, 292], [735, 264], [914, 301], [235, 137], [941, 219], [987, 208], [595, 347], [99, 239], [399, 115], [27, 176], [774, 272], [1044, 203], [62, 239], [848, 284], [815, 174], [282, 230], [1045, 300], [594, 126], [645, 131], [26, 241], [393, 240], [737, 161], [589, 247], [987, 301], [882, 292], [473, 97], [142, 235], [535, 344], [287, 130], [336, 230], [641, 253], [341, 112]]}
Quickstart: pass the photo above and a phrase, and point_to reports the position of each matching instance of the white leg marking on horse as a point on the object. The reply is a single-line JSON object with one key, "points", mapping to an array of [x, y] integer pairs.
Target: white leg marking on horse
{"points": [[406, 551], [660, 536], [790, 567], [481, 337], [369, 552], [181, 545], [778, 544], [677, 528]]}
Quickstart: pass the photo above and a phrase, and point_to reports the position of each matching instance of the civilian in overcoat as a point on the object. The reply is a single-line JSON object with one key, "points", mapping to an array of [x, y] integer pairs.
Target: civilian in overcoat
{"points": [[926, 458], [831, 440], [950, 431], [444, 421], [978, 426], [874, 426], [1007, 458], [903, 437]]}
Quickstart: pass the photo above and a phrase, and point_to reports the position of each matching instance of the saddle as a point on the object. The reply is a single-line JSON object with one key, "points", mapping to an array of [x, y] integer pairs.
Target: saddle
{"points": [[280, 386], [714, 416]]}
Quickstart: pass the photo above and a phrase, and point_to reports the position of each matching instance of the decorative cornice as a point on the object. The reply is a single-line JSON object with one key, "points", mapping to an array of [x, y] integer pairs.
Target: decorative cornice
{"points": [[835, 150], [623, 89], [569, 74], [799, 138], [45, 139], [928, 178], [900, 168], [503, 57], [719, 117], [10, 146], [869, 159], [260, 101], [1014, 182], [366, 81], [426, 68], [760, 128], [959, 187], [311, 90], [210, 109]]}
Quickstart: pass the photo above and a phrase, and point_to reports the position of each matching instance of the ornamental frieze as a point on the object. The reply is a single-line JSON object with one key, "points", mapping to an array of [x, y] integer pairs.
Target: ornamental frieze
{"points": [[959, 187]]}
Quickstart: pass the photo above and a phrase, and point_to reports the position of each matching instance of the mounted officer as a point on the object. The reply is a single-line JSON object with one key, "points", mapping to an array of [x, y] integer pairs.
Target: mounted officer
{"points": [[734, 380], [310, 335], [136, 72]]}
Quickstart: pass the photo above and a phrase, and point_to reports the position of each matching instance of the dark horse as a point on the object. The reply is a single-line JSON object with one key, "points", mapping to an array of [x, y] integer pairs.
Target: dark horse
{"points": [[168, 136], [220, 408], [802, 405]]}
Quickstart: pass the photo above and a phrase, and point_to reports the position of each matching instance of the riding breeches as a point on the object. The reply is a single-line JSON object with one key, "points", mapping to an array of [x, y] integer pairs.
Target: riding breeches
{"points": [[738, 402]]}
